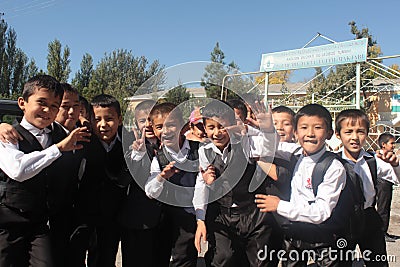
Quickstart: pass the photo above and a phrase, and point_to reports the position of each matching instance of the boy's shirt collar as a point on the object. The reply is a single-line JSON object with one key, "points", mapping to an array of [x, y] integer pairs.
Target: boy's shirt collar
{"points": [[62, 126], [183, 151], [223, 154], [361, 156], [314, 157], [109, 147], [32, 129]]}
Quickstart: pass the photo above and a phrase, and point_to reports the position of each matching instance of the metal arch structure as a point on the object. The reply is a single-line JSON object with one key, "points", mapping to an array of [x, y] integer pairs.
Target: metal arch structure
{"points": [[336, 105], [373, 62]]}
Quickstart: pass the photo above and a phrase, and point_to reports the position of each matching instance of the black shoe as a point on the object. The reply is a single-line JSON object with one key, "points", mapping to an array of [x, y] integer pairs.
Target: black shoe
{"points": [[388, 238], [395, 237]]}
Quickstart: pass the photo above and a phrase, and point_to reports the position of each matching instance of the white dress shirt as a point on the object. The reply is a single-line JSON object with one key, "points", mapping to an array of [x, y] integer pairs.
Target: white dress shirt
{"points": [[153, 187], [387, 171], [304, 206], [20, 166], [254, 146], [384, 171]]}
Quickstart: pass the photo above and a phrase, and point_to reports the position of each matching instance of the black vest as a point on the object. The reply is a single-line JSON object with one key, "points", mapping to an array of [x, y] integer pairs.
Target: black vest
{"points": [[63, 187], [185, 179], [103, 185], [233, 179], [138, 210], [30, 196]]}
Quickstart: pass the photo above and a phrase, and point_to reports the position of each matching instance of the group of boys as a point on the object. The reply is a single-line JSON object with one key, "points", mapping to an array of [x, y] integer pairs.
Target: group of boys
{"points": [[250, 187], [289, 210], [62, 187]]}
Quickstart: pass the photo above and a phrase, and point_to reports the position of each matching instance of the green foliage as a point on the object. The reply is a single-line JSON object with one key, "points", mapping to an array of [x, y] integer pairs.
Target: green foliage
{"points": [[177, 95], [58, 61], [83, 76], [215, 72], [13, 63], [120, 74], [341, 79]]}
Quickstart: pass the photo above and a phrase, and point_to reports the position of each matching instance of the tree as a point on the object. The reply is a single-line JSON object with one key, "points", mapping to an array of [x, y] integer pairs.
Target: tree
{"points": [[177, 95], [339, 83], [83, 76], [13, 63], [58, 61], [279, 77], [120, 74], [216, 71]]}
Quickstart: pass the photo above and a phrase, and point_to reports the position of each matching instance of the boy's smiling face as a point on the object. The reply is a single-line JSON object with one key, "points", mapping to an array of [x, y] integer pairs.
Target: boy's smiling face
{"points": [[353, 134], [311, 133], [283, 123], [167, 129], [216, 132], [69, 111], [143, 122], [105, 123], [41, 108]]}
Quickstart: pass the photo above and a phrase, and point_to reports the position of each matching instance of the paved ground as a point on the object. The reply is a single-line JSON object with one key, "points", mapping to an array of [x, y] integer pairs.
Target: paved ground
{"points": [[394, 229]]}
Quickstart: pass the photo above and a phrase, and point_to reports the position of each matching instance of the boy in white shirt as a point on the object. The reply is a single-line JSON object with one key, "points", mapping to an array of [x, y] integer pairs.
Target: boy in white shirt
{"points": [[25, 168], [352, 128], [172, 178], [313, 125], [234, 227], [384, 187]]}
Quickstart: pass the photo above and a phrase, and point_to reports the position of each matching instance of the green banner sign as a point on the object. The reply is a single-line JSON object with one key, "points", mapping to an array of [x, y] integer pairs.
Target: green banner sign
{"points": [[317, 56]]}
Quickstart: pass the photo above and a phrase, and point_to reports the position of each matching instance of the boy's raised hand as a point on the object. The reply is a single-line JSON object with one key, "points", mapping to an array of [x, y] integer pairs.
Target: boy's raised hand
{"points": [[389, 157], [71, 141], [9, 134], [238, 129], [267, 203], [139, 143], [208, 174], [168, 171], [264, 117]]}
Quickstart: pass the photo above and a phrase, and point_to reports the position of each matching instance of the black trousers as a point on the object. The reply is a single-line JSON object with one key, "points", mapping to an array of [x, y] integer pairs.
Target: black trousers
{"points": [[297, 254], [83, 240], [139, 247], [108, 237], [238, 237], [372, 240], [60, 232], [384, 193], [176, 238], [23, 243]]}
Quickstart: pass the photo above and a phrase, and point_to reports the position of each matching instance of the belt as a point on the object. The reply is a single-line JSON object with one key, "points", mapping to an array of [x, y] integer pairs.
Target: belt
{"points": [[237, 210]]}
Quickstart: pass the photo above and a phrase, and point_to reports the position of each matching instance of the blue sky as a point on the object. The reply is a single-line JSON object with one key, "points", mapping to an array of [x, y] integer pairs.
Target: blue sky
{"points": [[179, 31]]}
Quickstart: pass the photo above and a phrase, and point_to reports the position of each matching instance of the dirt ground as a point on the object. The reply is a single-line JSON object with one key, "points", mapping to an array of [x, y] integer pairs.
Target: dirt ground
{"points": [[393, 248]]}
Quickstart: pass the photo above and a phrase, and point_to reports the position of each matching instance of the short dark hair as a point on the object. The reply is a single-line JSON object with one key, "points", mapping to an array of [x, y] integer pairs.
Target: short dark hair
{"points": [[284, 109], [166, 108], [42, 81], [354, 115], [106, 101], [218, 109], [145, 105], [238, 104], [384, 138], [314, 110], [162, 109], [68, 88], [84, 102]]}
